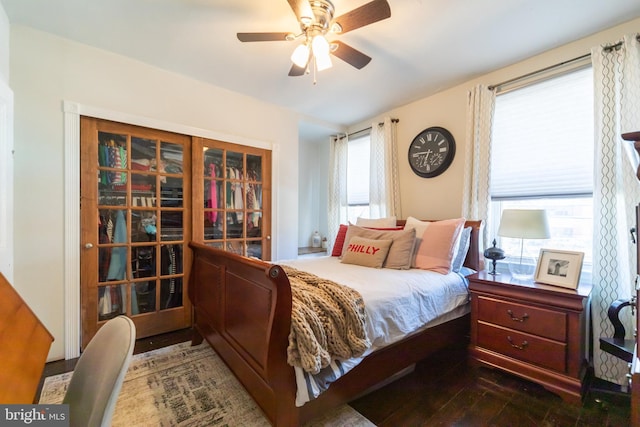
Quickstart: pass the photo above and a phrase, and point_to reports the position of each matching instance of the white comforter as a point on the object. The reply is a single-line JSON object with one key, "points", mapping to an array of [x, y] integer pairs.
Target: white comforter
{"points": [[397, 303]]}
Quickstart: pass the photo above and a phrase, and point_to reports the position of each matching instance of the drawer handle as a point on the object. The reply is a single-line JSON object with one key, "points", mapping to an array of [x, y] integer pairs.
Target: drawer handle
{"points": [[519, 347], [517, 319]]}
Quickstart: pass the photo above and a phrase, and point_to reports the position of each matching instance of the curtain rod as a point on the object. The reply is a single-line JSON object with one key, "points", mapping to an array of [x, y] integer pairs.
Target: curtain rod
{"points": [[617, 46], [540, 71], [365, 129], [607, 48]]}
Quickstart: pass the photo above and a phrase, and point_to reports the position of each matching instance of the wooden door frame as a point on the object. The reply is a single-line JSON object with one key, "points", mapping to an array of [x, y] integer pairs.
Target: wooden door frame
{"points": [[72, 239]]}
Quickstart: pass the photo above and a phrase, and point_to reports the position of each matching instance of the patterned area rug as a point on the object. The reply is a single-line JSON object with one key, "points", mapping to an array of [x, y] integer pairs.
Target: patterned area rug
{"points": [[182, 385]]}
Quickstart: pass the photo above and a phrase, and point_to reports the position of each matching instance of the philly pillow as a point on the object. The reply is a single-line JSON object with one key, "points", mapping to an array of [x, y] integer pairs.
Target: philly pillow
{"points": [[366, 252], [401, 250]]}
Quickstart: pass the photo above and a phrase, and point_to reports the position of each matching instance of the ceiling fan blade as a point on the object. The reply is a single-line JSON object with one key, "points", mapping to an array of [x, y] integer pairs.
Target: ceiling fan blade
{"points": [[262, 37], [301, 8], [297, 71], [374, 11], [350, 55]]}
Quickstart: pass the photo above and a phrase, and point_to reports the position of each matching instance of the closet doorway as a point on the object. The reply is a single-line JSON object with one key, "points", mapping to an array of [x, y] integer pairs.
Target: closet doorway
{"points": [[232, 189], [135, 227]]}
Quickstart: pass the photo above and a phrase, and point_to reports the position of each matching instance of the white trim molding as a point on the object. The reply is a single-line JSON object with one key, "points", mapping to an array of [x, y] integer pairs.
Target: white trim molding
{"points": [[72, 244], [72, 324]]}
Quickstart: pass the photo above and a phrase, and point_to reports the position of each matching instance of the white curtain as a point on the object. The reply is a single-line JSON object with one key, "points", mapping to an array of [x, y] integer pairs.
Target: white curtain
{"points": [[616, 191], [338, 207], [384, 191], [476, 196]]}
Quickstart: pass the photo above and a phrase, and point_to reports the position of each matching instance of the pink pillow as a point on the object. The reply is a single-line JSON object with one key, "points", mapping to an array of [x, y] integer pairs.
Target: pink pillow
{"points": [[339, 243], [439, 244]]}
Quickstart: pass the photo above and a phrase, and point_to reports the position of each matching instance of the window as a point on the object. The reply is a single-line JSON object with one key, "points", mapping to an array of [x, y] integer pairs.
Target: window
{"points": [[542, 157], [358, 166]]}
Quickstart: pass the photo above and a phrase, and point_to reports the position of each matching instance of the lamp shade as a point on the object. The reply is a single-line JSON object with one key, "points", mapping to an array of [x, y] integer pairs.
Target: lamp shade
{"points": [[300, 55], [524, 224], [320, 48], [323, 61]]}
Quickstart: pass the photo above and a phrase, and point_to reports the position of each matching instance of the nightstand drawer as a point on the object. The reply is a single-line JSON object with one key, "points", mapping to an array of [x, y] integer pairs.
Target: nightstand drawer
{"points": [[528, 348], [538, 321]]}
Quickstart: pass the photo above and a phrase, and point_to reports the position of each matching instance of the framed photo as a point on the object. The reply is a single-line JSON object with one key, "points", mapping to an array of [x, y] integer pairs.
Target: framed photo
{"points": [[559, 268]]}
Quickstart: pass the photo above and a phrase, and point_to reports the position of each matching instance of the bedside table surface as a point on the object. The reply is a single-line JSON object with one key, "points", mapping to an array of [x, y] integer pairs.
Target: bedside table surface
{"points": [[506, 281]]}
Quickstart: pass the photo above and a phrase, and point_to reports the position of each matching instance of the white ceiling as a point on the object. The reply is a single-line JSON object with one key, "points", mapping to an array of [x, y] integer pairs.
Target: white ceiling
{"points": [[426, 45]]}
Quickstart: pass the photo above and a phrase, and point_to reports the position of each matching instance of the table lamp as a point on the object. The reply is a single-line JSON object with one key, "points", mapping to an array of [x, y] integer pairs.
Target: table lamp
{"points": [[523, 224]]}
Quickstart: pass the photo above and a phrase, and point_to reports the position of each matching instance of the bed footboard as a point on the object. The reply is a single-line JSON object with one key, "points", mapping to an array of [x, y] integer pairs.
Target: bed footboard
{"points": [[243, 309]]}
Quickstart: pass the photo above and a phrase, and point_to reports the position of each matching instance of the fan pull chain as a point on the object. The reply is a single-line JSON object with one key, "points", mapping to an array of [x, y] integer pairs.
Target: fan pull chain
{"points": [[315, 70]]}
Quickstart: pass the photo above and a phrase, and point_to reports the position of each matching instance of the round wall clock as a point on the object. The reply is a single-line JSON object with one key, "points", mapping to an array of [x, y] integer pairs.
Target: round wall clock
{"points": [[431, 152]]}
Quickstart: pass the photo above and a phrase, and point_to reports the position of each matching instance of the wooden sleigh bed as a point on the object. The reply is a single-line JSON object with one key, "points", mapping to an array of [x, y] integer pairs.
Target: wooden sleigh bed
{"points": [[243, 309]]}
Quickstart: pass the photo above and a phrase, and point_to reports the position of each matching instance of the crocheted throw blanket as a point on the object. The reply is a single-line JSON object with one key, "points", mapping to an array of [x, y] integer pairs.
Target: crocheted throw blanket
{"points": [[327, 322]]}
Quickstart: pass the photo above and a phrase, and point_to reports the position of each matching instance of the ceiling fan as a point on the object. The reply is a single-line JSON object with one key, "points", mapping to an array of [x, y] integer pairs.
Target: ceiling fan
{"points": [[316, 24]]}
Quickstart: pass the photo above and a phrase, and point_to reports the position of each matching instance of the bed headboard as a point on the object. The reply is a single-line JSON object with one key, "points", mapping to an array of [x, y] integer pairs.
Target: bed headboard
{"points": [[474, 259]]}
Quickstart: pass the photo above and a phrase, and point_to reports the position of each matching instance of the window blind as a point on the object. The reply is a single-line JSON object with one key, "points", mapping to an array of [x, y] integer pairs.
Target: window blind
{"points": [[358, 151], [542, 141]]}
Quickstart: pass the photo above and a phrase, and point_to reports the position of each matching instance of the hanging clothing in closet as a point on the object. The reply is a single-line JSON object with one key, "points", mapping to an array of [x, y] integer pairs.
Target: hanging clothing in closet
{"points": [[171, 264], [213, 193], [237, 193], [118, 263], [254, 198], [112, 155], [234, 196], [105, 232], [110, 297]]}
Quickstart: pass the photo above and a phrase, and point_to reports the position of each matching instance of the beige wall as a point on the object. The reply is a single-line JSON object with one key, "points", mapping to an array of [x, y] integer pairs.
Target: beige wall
{"points": [[313, 160], [47, 70], [4, 45], [6, 156], [441, 197]]}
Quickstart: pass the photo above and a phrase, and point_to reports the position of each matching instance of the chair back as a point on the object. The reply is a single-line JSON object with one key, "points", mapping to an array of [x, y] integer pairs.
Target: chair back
{"points": [[98, 376]]}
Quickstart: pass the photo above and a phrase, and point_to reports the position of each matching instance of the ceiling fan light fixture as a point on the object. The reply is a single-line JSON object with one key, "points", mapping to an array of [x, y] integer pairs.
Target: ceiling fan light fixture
{"points": [[323, 61], [300, 55], [321, 49], [320, 46]]}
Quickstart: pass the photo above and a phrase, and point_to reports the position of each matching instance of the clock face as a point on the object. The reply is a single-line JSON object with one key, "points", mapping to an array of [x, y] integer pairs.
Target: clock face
{"points": [[431, 152]]}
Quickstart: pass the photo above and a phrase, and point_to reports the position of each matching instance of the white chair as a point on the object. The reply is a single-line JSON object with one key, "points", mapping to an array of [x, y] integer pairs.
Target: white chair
{"points": [[99, 374]]}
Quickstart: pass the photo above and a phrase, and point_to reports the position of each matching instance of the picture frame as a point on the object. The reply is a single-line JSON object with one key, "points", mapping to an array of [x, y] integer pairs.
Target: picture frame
{"points": [[559, 268]]}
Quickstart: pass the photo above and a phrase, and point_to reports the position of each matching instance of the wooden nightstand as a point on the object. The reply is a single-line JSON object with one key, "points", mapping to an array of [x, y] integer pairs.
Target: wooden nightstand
{"points": [[531, 330]]}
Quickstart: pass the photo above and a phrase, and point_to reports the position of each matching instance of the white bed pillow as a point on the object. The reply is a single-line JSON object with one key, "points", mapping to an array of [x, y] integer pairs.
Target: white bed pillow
{"points": [[463, 249], [388, 222], [419, 226]]}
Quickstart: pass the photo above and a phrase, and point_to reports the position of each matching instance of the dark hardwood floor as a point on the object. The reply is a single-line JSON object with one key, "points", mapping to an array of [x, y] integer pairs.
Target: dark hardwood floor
{"points": [[444, 390]]}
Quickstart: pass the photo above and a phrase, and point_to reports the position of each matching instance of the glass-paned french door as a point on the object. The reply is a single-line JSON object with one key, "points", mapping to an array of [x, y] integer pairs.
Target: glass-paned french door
{"points": [[136, 225], [232, 185]]}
